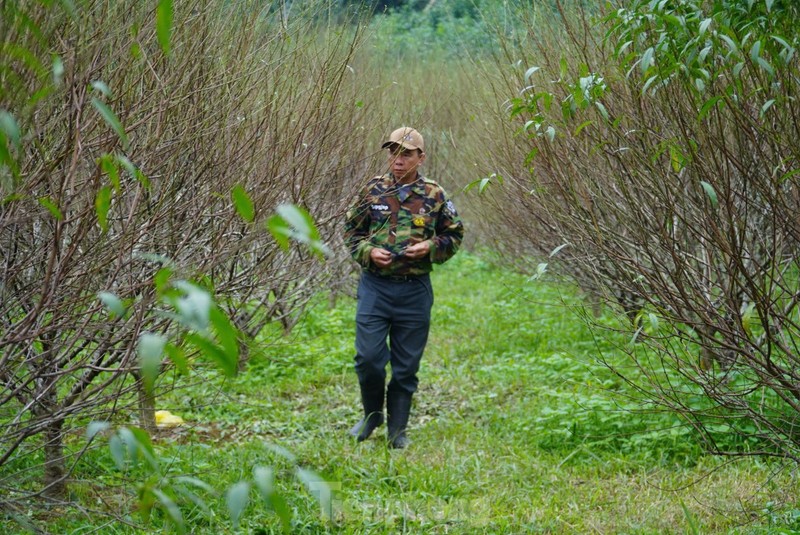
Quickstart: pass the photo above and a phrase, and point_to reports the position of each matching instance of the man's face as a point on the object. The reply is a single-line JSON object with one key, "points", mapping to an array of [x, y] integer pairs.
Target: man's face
{"points": [[404, 162]]}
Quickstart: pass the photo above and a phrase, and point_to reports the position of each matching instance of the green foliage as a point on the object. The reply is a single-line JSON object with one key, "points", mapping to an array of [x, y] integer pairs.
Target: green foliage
{"points": [[164, 16], [209, 332], [9, 145], [483, 183], [705, 45], [292, 222], [444, 30], [243, 203]]}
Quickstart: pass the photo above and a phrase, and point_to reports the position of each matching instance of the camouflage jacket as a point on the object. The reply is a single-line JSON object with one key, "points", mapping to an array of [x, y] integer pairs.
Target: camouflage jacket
{"points": [[393, 216]]}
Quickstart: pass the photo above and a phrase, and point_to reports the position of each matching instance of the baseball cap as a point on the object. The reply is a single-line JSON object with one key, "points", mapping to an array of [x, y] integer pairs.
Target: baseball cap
{"points": [[406, 137]]}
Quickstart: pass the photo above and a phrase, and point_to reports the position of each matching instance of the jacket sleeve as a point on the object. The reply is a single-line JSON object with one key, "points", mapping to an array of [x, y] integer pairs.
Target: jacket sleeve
{"points": [[357, 230], [449, 232]]}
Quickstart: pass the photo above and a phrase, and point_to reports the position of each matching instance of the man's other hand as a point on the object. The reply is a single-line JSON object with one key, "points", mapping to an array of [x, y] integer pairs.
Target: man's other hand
{"points": [[380, 257]]}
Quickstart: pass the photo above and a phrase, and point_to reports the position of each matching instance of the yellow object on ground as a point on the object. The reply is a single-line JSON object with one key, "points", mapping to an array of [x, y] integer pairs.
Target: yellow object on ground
{"points": [[167, 419]]}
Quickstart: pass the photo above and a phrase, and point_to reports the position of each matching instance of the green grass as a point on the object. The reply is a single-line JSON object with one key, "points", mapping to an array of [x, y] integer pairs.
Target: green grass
{"points": [[516, 428]]}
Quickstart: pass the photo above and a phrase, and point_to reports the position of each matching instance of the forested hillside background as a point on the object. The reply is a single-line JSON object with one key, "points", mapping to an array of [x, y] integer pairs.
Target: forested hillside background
{"points": [[173, 177]]}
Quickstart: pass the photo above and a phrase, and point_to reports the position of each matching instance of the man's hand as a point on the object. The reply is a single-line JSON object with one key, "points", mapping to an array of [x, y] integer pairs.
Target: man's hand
{"points": [[418, 250], [380, 257]]}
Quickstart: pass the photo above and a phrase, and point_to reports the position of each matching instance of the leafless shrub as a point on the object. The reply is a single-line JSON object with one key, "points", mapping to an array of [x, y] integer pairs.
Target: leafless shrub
{"points": [[126, 163], [655, 153]]}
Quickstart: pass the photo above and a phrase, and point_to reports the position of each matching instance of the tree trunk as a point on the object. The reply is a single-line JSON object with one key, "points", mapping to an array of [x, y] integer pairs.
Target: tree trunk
{"points": [[147, 407], [55, 474]]}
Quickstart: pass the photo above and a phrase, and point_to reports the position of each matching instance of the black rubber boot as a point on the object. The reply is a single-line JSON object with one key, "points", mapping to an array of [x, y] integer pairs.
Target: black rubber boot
{"points": [[398, 406], [372, 401]]}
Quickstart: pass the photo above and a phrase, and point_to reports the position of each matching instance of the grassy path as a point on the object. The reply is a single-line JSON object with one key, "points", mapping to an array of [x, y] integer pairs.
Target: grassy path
{"points": [[515, 430]]}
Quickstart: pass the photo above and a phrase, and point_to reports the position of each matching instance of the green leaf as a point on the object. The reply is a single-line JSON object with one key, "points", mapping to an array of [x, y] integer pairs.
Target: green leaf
{"points": [[264, 480], [710, 193], [541, 269], [58, 70], [557, 250], [243, 204], [227, 334], [144, 445], [283, 452], [693, 530], [131, 447], [733, 48], [117, 448], [767, 105], [700, 84], [602, 109], [102, 204], [581, 126], [146, 501], [293, 222], [787, 54], [765, 65], [647, 60], [677, 159], [161, 279], [654, 321], [708, 105], [237, 499], [69, 7], [704, 26], [110, 166], [188, 494], [319, 487], [483, 183], [164, 16], [40, 95], [150, 349], [133, 171], [298, 219], [199, 483], [113, 304], [747, 317], [102, 87], [280, 231], [194, 306], [755, 51], [178, 357], [7, 163], [8, 126], [94, 428], [172, 509], [650, 81], [52, 207], [112, 120], [228, 365], [791, 174]]}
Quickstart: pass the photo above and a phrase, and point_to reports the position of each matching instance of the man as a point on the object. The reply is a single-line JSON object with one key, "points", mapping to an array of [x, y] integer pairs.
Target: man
{"points": [[399, 226]]}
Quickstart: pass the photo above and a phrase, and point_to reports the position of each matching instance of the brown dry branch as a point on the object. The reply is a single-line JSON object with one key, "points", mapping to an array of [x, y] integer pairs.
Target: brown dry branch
{"points": [[245, 98], [678, 209]]}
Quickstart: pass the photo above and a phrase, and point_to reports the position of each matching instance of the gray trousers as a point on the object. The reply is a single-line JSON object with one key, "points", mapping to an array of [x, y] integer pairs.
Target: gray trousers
{"points": [[392, 323]]}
